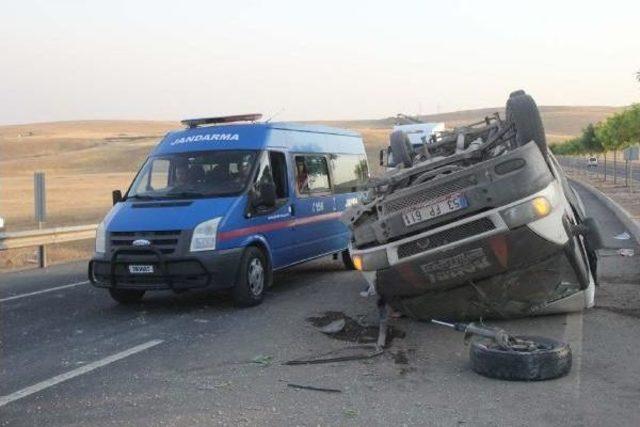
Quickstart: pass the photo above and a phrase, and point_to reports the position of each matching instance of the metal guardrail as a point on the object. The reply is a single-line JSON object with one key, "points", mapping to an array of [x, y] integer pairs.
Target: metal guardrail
{"points": [[46, 236]]}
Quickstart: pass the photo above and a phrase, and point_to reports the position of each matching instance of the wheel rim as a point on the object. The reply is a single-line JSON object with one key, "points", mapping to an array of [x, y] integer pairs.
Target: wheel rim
{"points": [[255, 276]]}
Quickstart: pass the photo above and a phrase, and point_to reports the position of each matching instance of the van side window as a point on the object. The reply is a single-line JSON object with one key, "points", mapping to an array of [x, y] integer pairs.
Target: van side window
{"points": [[272, 173], [312, 174], [350, 172], [279, 171]]}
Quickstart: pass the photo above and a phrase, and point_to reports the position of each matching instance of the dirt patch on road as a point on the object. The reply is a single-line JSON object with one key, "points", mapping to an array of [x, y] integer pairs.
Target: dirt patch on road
{"points": [[400, 357], [353, 331]]}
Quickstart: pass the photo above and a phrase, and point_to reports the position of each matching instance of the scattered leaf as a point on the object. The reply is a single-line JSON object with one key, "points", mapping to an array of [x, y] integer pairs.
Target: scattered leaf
{"points": [[351, 413], [262, 360]]}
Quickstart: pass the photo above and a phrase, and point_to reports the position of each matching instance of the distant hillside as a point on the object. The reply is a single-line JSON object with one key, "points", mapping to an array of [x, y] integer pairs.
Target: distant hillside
{"points": [[560, 122], [120, 145]]}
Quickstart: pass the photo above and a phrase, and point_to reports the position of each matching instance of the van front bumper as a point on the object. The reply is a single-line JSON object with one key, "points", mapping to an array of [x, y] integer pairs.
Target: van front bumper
{"points": [[208, 269]]}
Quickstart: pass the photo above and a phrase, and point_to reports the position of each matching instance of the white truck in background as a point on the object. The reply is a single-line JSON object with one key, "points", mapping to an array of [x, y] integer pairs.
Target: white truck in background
{"points": [[419, 133]]}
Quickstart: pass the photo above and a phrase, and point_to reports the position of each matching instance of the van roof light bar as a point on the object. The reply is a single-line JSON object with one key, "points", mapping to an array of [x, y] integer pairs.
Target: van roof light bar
{"points": [[194, 123]]}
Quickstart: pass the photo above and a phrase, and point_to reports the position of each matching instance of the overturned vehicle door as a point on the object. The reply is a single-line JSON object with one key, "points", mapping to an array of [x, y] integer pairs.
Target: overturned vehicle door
{"points": [[479, 222]]}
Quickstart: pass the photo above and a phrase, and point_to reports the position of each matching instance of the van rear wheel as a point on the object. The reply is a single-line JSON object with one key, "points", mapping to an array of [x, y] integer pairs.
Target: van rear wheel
{"points": [[523, 113], [126, 296], [253, 278]]}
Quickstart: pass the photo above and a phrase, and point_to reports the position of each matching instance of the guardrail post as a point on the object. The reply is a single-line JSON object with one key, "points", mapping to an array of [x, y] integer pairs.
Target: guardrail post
{"points": [[40, 204], [42, 256]]}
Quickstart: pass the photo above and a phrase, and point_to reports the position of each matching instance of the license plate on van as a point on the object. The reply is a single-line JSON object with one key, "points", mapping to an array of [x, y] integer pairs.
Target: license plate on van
{"points": [[443, 206], [140, 269]]}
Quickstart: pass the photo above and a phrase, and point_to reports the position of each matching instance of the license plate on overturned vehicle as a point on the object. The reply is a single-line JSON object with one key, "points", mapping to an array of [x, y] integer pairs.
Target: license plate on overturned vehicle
{"points": [[140, 269], [439, 207]]}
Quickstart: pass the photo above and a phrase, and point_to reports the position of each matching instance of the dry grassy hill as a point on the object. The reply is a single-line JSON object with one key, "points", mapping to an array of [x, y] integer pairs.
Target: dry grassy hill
{"points": [[561, 122]]}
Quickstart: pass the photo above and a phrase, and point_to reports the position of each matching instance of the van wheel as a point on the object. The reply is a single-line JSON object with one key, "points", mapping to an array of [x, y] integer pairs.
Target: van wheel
{"points": [[126, 296], [523, 113], [347, 261], [401, 149], [551, 359], [254, 276]]}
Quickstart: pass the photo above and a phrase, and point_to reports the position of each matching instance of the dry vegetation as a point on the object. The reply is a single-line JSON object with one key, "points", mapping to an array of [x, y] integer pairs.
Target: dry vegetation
{"points": [[85, 160]]}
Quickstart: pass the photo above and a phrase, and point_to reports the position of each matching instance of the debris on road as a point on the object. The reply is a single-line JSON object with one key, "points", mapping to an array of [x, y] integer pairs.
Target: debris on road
{"points": [[623, 236], [351, 413], [341, 355], [314, 388], [342, 327], [262, 360], [349, 329], [333, 327], [496, 354], [626, 252]]}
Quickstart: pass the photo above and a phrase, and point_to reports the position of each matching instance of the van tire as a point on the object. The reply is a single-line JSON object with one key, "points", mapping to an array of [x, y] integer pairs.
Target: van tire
{"points": [[254, 277], [524, 114], [126, 296], [401, 149], [347, 261], [552, 361]]}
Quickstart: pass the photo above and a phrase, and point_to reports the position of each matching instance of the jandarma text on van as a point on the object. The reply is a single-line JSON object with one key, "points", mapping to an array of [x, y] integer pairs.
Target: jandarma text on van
{"points": [[208, 137]]}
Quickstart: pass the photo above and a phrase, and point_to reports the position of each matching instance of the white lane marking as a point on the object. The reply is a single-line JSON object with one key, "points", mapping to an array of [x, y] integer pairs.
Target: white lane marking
{"points": [[76, 372], [43, 291]]}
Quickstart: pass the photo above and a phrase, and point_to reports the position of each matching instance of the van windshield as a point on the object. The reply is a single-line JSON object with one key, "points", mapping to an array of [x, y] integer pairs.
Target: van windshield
{"points": [[193, 175]]}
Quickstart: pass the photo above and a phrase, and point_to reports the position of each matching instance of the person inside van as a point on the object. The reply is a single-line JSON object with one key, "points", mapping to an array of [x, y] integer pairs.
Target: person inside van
{"points": [[302, 175], [188, 175], [182, 175]]}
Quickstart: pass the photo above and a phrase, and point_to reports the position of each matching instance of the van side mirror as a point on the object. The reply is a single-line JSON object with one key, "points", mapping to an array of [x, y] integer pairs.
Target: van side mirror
{"points": [[116, 196], [266, 196], [381, 157]]}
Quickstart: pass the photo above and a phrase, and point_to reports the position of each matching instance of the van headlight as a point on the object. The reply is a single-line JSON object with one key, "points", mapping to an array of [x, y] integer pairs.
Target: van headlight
{"points": [[527, 212], [101, 238], [204, 236]]}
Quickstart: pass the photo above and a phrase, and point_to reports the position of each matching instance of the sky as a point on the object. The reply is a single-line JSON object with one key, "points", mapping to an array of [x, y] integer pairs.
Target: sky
{"points": [[298, 60]]}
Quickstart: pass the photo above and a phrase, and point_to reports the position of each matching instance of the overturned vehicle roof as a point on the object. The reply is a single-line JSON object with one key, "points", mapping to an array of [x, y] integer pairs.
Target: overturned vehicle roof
{"points": [[478, 223]]}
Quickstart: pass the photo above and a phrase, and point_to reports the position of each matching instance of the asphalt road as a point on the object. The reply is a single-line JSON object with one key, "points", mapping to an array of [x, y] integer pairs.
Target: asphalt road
{"points": [[71, 356]]}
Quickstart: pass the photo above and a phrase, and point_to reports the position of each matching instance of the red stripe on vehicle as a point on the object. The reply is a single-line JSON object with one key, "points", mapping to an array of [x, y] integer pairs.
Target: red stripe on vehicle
{"points": [[272, 226]]}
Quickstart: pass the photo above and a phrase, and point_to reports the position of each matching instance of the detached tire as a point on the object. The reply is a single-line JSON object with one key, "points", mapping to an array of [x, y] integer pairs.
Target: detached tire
{"points": [[523, 112], [126, 296], [401, 148], [553, 360], [253, 278], [347, 261]]}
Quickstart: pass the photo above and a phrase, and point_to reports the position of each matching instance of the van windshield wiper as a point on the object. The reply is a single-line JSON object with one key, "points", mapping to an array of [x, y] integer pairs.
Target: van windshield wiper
{"points": [[183, 194], [141, 197]]}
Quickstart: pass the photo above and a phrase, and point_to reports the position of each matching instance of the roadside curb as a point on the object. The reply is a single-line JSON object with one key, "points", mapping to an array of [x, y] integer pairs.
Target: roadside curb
{"points": [[621, 213]]}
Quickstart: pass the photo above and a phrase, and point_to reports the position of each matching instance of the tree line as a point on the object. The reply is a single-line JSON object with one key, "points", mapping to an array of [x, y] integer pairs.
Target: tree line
{"points": [[615, 133]]}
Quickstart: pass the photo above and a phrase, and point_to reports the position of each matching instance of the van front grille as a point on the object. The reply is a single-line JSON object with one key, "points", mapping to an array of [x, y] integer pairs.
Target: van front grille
{"points": [[166, 241], [414, 197], [442, 238]]}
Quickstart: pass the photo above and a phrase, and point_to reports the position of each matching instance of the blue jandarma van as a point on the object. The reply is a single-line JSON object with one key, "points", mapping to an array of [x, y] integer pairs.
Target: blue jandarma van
{"points": [[222, 204]]}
